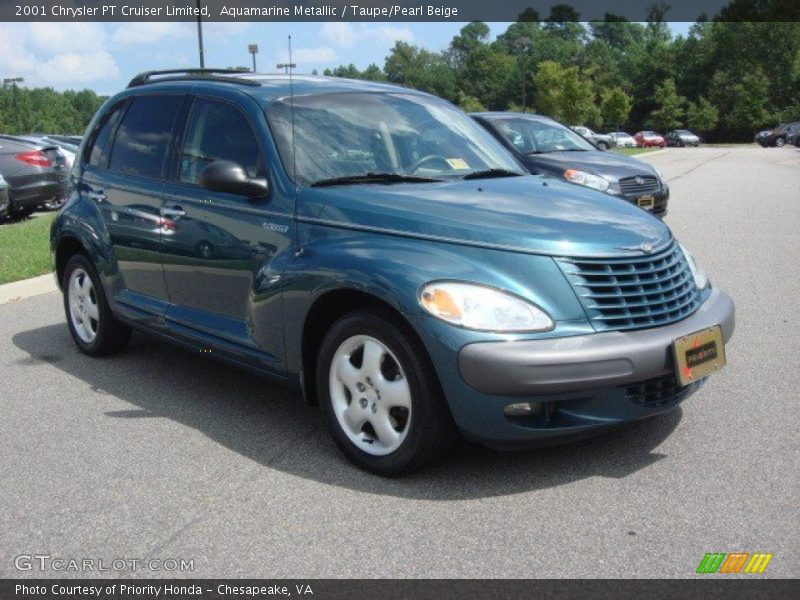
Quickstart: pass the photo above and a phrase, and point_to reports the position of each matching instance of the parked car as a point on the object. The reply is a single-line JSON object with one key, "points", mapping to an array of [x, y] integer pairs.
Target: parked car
{"points": [[649, 139], [777, 137], [602, 141], [545, 147], [681, 138], [622, 139], [421, 284], [794, 138], [74, 140], [3, 197], [36, 174]]}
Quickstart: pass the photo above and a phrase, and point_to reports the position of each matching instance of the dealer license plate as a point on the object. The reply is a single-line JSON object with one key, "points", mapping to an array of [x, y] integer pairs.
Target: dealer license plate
{"points": [[699, 354], [647, 202]]}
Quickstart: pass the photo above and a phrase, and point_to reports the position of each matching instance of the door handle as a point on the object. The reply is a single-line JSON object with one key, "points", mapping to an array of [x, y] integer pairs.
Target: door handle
{"points": [[173, 212], [97, 196]]}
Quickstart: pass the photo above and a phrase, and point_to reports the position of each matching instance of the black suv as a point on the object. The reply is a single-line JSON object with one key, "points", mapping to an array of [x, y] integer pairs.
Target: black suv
{"points": [[779, 136]]}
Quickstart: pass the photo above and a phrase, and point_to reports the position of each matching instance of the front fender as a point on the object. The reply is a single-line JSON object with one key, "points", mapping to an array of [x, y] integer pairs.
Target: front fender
{"points": [[394, 269]]}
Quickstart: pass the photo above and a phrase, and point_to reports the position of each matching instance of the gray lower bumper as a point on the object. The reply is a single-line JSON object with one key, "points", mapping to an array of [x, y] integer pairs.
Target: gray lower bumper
{"points": [[560, 365]]}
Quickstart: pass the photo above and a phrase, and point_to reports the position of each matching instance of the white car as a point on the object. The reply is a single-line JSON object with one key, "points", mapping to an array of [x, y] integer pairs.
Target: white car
{"points": [[623, 140]]}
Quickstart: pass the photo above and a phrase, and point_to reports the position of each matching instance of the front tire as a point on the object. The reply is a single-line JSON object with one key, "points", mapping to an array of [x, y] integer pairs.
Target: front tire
{"points": [[602, 145], [380, 395], [94, 329], [780, 142]]}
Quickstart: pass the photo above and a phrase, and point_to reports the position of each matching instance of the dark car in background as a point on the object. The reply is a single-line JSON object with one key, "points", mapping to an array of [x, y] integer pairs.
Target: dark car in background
{"points": [[681, 138], [547, 147], [36, 174], [777, 137], [794, 138]]}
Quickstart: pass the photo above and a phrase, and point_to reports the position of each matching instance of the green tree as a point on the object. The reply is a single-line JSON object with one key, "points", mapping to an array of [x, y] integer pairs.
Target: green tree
{"points": [[470, 103], [670, 106], [616, 107], [701, 116]]}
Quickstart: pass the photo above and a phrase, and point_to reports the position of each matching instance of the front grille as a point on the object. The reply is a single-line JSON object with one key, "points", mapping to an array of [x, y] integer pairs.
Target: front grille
{"points": [[641, 184], [634, 293], [657, 391]]}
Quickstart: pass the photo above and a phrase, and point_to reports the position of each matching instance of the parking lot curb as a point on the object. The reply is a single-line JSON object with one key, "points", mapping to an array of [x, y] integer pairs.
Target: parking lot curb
{"points": [[27, 288]]}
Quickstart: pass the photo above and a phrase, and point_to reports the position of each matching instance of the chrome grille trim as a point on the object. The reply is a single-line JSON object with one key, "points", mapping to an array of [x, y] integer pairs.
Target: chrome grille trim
{"points": [[634, 293], [630, 187]]}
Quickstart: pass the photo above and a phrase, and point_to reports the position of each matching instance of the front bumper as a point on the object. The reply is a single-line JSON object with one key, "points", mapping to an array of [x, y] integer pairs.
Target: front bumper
{"points": [[554, 366], [582, 385]]}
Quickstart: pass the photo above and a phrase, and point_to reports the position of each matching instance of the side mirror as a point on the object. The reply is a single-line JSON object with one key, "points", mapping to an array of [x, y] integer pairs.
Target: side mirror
{"points": [[231, 178]]}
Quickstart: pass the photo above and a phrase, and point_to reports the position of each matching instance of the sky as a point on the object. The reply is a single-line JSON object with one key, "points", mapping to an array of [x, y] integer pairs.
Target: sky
{"points": [[108, 55]]}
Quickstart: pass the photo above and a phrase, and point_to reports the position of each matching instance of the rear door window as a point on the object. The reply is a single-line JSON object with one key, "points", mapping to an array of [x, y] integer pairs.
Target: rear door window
{"points": [[99, 149], [142, 140]]}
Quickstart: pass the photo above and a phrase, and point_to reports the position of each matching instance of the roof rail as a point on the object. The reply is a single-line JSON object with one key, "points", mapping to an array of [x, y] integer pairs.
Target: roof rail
{"points": [[224, 75]]}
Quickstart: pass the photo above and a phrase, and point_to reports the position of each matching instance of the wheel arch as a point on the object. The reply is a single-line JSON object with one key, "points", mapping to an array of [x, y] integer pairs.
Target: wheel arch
{"points": [[67, 247], [328, 308]]}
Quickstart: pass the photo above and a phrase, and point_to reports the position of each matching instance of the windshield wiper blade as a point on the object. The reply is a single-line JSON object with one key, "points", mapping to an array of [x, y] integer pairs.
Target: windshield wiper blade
{"points": [[373, 178], [488, 173]]}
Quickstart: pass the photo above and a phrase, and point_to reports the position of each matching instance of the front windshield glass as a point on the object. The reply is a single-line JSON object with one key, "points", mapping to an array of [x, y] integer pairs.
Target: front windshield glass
{"points": [[342, 135], [534, 136]]}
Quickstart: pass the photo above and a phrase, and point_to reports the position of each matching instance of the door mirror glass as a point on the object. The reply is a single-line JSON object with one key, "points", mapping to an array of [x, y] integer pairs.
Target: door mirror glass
{"points": [[232, 178]]}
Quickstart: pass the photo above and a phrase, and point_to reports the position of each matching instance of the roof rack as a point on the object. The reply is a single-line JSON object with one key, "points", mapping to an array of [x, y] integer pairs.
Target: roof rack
{"points": [[183, 74]]}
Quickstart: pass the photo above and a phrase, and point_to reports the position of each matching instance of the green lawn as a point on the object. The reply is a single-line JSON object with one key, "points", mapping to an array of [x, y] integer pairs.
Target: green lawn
{"points": [[25, 248], [632, 151]]}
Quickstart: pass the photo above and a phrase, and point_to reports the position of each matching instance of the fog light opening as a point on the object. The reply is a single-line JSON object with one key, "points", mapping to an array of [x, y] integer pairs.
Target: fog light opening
{"points": [[523, 409]]}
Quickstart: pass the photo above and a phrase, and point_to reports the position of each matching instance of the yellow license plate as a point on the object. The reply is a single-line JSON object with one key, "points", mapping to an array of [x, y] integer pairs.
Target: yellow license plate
{"points": [[699, 354], [646, 201]]}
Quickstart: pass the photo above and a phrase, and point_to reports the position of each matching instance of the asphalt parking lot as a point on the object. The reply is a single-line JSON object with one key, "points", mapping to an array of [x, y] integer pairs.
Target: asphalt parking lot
{"points": [[156, 453]]}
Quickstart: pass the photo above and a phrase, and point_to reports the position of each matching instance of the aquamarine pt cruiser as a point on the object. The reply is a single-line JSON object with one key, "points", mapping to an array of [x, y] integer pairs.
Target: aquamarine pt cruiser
{"points": [[375, 248]]}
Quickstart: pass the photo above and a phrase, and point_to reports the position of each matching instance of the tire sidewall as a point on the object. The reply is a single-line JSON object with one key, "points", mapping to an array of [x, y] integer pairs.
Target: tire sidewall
{"points": [[406, 352]]}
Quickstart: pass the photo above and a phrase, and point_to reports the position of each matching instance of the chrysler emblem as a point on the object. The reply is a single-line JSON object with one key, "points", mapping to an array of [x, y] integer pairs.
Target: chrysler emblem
{"points": [[644, 248], [639, 180]]}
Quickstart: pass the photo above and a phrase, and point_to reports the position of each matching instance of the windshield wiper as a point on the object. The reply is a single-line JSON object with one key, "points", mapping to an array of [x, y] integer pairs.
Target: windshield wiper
{"points": [[373, 178], [488, 173]]}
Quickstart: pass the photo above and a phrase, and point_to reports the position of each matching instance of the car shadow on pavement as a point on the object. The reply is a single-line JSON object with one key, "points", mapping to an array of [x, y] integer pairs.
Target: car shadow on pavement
{"points": [[272, 426]]}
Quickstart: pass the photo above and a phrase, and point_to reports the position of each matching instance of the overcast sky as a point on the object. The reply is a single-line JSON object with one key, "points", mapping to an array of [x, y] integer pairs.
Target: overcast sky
{"points": [[104, 56]]}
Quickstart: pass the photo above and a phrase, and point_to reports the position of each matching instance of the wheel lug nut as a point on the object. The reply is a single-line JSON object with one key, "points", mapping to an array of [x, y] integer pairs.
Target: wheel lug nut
{"points": [[360, 387], [374, 408], [363, 402]]}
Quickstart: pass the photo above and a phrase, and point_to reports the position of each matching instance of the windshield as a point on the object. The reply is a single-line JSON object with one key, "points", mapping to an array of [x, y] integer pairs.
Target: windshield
{"points": [[351, 135], [534, 136]]}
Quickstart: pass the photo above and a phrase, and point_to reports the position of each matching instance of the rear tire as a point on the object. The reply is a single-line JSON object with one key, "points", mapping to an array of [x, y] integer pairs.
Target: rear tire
{"points": [[20, 213], [92, 325], [380, 395], [780, 142], [602, 145]]}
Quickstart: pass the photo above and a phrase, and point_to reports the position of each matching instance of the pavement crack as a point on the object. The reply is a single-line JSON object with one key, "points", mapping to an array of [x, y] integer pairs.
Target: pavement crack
{"points": [[697, 166]]}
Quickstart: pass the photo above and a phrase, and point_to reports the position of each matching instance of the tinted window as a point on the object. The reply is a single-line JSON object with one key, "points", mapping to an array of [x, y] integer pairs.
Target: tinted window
{"points": [[100, 148], [142, 139], [217, 131]]}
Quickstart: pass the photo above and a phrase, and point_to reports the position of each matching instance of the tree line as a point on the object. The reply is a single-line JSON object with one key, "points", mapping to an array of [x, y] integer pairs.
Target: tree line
{"points": [[723, 80], [44, 110]]}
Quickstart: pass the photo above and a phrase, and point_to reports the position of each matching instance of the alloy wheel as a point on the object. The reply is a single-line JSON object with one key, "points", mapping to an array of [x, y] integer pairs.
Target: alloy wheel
{"points": [[370, 395], [83, 310]]}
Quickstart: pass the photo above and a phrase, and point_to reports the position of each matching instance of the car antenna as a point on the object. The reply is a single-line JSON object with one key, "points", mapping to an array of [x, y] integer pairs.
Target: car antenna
{"points": [[291, 108]]}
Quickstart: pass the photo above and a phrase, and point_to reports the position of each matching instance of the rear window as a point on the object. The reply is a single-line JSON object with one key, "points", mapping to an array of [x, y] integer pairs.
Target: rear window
{"points": [[142, 140]]}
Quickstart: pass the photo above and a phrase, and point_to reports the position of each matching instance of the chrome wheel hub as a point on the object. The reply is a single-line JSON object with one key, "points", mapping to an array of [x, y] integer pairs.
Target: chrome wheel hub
{"points": [[370, 395], [82, 301]]}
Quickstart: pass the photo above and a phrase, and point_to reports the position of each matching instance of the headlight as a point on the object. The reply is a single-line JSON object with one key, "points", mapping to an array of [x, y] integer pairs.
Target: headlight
{"points": [[700, 277], [482, 308], [583, 178]]}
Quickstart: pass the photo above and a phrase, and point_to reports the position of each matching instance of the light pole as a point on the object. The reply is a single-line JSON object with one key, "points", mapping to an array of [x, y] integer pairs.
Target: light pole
{"points": [[253, 49], [200, 37], [523, 44], [285, 66]]}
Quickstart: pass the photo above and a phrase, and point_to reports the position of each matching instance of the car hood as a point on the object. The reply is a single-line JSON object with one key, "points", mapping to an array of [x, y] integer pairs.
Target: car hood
{"points": [[531, 214], [611, 165]]}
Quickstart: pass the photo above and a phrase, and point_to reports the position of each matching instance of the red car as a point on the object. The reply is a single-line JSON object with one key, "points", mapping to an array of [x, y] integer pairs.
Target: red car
{"points": [[646, 139]]}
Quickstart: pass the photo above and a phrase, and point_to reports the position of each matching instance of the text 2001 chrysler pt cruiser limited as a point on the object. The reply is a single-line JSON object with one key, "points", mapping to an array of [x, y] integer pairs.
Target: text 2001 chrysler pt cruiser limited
{"points": [[394, 263]]}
